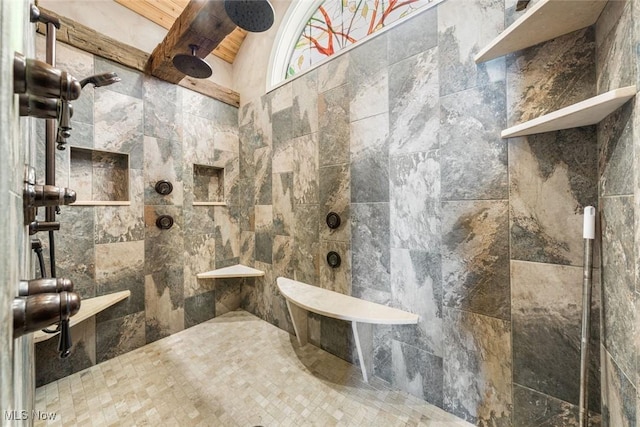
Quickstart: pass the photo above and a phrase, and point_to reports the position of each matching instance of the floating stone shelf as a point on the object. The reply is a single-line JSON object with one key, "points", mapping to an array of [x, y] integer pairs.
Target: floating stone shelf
{"points": [[237, 270]]}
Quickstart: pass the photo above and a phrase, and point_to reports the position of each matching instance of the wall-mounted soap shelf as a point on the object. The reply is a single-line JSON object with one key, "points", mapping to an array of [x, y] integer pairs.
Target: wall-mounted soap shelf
{"points": [[544, 21], [238, 270], [88, 307], [584, 113]]}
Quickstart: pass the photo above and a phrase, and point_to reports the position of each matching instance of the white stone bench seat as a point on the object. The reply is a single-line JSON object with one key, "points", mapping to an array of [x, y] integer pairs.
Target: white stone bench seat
{"points": [[301, 298]]}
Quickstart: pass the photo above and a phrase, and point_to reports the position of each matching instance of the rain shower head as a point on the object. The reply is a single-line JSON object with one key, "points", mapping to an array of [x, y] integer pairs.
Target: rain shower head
{"points": [[99, 80], [192, 65], [251, 15]]}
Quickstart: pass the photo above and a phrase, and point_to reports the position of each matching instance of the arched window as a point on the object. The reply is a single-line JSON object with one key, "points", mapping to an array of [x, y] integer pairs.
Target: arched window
{"points": [[312, 31]]}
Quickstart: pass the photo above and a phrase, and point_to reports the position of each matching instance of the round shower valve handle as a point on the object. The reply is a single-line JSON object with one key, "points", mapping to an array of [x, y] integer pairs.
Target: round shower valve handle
{"points": [[333, 259], [164, 222], [164, 187]]}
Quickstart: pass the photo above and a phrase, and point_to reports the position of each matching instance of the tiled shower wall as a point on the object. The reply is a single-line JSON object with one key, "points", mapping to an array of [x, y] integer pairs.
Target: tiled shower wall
{"points": [[16, 150], [440, 216], [618, 38], [164, 130]]}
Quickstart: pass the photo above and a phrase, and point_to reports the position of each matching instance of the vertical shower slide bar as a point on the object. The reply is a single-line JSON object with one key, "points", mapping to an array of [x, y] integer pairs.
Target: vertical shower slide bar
{"points": [[588, 233]]}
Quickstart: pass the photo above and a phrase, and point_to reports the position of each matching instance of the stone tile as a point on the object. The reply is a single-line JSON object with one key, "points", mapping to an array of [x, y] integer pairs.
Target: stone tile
{"points": [[531, 408], [199, 308], [619, 399], [414, 103], [305, 169], [475, 257], [120, 267], [200, 105], [336, 279], [418, 372], [50, 367], [615, 67], [247, 247], [333, 126], [370, 240], [305, 104], [162, 161], [465, 27], [560, 169], [227, 235], [473, 156], [414, 205], [283, 220], [75, 258], [306, 244], [157, 384], [122, 223], [163, 249], [369, 153], [263, 176], [333, 73], [477, 368], [619, 317], [335, 194], [336, 338], [537, 83], [162, 116], [546, 314], [227, 294], [130, 80], [119, 336], [369, 95], [198, 142], [282, 128], [615, 162], [283, 256], [264, 233], [118, 124], [199, 257], [417, 34], [164, 304]]}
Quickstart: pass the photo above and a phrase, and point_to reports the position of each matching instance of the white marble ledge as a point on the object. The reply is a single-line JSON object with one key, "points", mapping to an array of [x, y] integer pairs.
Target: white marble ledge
{"points": [[88, 307], [340, 306], [237, 270]]}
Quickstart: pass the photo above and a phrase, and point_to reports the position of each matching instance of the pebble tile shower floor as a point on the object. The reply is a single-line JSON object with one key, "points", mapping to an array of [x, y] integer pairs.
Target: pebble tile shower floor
{"points": [[234, 370]]}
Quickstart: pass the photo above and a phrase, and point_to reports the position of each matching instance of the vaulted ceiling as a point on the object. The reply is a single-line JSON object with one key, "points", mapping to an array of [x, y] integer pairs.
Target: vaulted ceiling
{"points": [[165, 12]]}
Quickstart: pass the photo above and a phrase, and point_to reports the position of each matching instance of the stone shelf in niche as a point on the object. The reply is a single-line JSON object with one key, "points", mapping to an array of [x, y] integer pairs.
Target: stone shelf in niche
{"points": [[238, 270], [88, 307], [99, 178], [543, 21], [584, 113], [208, 185]]}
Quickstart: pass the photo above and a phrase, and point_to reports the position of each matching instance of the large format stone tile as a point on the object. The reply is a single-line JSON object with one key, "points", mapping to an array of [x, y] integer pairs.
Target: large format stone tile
{"points": [[538, 83], [162, 161], [477, 368], [305, 170], [546, 316], [199, 257], [552, 178], [619, 398], [417, 34], [119, 336], [416, 286], [335, 195], [305, 104], [369, 154], [370, 245], [616, 50], [283, 219], [414, 103], [414, 204], [306, 233], [162, 112], [120, 267], [163, 249], [465, 27], [615, 135], [122, 223], [473, 156], [618, 276], [333, 126], [417, 372], [164, 304], [475, 257]]}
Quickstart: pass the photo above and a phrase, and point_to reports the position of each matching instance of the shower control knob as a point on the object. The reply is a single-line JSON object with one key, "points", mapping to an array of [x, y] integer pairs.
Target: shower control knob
{"points": [[44, 286], [333, 259], [35, 312], [41, 79], [47, 195]]}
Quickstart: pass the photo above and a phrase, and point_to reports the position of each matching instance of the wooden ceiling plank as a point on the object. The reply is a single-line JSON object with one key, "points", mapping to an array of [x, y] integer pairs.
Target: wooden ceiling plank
{"points": [[167, 7], [89, 40], [203, 23], [147, 11]]}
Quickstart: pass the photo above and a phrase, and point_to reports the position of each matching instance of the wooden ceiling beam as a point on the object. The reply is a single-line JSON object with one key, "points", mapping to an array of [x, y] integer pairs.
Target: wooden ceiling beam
{"points": [[89, 40], [203, 23]]}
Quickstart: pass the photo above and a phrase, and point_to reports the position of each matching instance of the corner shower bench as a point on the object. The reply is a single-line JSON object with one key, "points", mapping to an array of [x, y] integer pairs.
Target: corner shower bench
{"points": [[302, 298]]}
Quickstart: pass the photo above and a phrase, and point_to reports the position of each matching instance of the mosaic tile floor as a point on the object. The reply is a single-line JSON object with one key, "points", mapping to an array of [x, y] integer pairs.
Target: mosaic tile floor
{"points": [[235, 370]]}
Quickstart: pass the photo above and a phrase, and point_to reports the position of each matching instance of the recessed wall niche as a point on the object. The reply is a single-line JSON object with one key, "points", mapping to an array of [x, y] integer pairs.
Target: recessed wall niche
{"points": [[99, 177], [208, 185]]}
